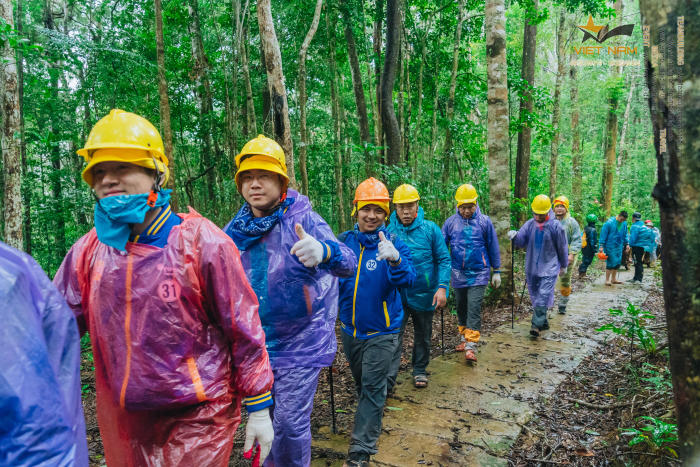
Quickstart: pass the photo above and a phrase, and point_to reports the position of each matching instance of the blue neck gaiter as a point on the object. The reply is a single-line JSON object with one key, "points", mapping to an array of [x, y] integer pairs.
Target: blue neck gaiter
{"points": [[114, 216]]}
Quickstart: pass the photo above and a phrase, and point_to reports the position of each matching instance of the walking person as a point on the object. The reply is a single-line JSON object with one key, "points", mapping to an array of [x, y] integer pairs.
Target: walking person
{"points": [[546, 258], [613, 241], [642, 240], [293, 262], [573, 240], [176, 338], [589, 244], [371, 313], [471, 238], [431, 261]]}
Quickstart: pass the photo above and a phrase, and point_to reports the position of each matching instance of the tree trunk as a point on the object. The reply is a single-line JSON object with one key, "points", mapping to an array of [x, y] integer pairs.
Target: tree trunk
{"points": [[251, 126], [449, 154], [203, 93], [335, 112], [622, 152], [554, 148], [301, 85], [433, 126], [377, 44], [275, 81], [522, 164], [391, 58], [165, 103], [576, 154], [26, 189], [358, 90], [11, 150], [674, 101], [497, 131]]}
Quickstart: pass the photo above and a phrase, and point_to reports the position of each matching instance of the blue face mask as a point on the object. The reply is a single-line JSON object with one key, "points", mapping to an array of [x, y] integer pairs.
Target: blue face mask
{"points": [[114, 216]]}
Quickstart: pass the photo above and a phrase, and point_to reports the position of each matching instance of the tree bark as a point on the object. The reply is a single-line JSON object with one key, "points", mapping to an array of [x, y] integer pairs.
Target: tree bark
{"points": [[251, 126], [391, 59], [335, 112], [26, 190], [449, 154], [377, 44], [522, 164], [358, 90], [275, 81], [497, 131], [165, 103], [554, 147], [674, 100], [301, 85], [622, 152], [576, 154], [11, 150]]}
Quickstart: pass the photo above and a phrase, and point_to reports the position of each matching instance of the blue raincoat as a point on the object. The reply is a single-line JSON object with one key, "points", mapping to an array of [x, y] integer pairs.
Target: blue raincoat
{"points": [[298, 310], [42, 416], [474, 248], [430, 256], [547, 253], [370, 303], [613, 239], [642, 236]]}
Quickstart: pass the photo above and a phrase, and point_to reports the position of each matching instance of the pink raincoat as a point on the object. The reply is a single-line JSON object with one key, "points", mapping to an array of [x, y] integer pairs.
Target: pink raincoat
{"points": [[176, 339]]}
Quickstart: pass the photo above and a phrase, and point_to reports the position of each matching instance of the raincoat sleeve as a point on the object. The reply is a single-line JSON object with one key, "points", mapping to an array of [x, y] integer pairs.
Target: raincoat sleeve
{"points": [[339, 260], [446, 232], [403, 273], [594, 239], [523, 236], [442, 256], [235, 307], [634, 233], [575, 246], [604, 233], [562, 247], [492, 248]]}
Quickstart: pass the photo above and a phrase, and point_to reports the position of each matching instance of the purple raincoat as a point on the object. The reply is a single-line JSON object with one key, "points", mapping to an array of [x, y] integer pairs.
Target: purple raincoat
{"points": [[547, 252], [42, 417], [298, 310], [473, 248]]}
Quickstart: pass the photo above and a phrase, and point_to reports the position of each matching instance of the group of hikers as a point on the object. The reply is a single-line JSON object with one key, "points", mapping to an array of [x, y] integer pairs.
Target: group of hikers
{"points": [[189, 322]]}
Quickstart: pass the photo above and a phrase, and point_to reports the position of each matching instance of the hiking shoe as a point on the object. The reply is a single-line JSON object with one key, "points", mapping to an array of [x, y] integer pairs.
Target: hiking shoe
{"points": [[461, 347], [545, 327], [562, 310], [470, 355], [357, 459], [534, 331]]}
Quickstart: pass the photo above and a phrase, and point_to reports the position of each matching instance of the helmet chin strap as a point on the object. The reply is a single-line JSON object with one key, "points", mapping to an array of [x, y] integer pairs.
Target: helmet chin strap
{"points": [[153, 195]]}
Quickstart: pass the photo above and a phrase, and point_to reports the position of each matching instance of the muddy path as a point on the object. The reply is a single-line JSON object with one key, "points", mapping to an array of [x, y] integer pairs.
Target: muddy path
{"points": [[472, 414]]}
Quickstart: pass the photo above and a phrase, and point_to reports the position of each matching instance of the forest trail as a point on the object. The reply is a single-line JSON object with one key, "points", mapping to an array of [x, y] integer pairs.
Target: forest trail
{"points": [[472, 414]]}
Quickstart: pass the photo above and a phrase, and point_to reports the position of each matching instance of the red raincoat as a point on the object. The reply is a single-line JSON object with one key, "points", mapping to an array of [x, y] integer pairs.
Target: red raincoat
{"points": [[176, 339]]}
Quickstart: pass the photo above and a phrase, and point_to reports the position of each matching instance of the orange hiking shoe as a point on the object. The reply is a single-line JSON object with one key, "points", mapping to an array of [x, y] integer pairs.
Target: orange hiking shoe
{"points": [[461, 346], [470, 355]]}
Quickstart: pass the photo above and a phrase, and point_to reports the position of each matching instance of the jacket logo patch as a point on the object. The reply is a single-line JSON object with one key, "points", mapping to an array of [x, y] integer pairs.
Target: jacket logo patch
{"points": [[169, 290], [371, 265]]}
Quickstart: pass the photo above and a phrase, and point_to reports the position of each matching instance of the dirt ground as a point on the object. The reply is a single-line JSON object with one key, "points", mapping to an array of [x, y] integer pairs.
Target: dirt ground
{"points": [[562, 431]]}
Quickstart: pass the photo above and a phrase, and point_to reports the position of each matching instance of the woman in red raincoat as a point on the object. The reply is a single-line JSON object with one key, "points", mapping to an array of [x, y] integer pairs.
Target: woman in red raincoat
{"points": [[173, 321]]}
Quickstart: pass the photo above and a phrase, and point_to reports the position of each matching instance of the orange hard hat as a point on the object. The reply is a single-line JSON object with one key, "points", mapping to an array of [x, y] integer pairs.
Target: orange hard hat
{"points": [[371, 191]]}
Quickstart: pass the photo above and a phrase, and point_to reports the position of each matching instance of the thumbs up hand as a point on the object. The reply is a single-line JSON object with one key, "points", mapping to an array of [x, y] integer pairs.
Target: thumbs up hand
{"points": [[386, 249], [307, 249]]}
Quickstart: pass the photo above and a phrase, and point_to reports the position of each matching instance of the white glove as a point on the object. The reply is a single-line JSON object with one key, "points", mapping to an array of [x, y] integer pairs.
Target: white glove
{"points": [[308, 249], [511, 234], [386, 249], [496, 279], [259, 428]]}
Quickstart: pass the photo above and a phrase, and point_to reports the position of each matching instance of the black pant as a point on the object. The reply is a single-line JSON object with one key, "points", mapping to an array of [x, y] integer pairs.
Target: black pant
{"points": [[422, 332], [585, 262], [638, 253]]}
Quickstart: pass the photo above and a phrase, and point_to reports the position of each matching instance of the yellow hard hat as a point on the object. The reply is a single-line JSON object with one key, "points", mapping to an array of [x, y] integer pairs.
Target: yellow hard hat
{"points": [[561, 199], [262, 153], [541, 204], [405, 194], [124, 137], [466, 194]]}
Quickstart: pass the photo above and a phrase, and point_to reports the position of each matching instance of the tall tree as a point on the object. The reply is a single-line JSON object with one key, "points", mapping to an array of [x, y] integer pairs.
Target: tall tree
{"points": [[554, 147], [242, 41], [275, 80], [391, 59], [165, 127], [576, 153], [26, 191], [673, 80], [11, 151], [358, 90], [622, 152], [335, 113], [449, 144], [522, 164], [498, 125], [377, 49], [301, 85]]}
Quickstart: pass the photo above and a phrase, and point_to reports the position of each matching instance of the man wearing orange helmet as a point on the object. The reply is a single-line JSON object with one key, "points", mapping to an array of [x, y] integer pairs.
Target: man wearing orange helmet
{"points": [[293, 262], [546, 257], [173, 322], [573, 239], [371, 312]]}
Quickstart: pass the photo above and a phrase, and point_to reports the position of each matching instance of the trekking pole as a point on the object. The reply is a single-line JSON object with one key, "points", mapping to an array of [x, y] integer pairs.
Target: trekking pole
{"points": [[330, 381], [512, 284], [442, 329]]}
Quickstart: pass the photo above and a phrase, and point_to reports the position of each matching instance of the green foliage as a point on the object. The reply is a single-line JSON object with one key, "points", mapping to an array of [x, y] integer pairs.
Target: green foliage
{"points": [[658, 379], [633, 327], [658, 434]]}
